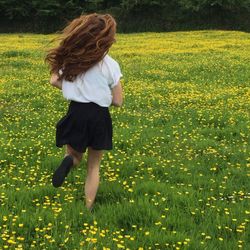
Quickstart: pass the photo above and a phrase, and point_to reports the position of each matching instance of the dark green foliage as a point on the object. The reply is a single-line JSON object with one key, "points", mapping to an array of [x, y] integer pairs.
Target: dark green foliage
{"points": [[131, 15], [231, 5]]}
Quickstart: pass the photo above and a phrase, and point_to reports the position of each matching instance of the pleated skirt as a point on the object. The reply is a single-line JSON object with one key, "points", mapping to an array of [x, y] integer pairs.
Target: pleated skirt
{"points": [[84, 125]]}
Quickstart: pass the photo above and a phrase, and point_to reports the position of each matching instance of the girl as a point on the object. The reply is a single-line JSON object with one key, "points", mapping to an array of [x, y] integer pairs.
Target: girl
{"points": [[90, 79]]}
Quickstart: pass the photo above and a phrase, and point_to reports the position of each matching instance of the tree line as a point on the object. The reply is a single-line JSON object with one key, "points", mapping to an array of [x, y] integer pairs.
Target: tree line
{"points": [[48, 16]]}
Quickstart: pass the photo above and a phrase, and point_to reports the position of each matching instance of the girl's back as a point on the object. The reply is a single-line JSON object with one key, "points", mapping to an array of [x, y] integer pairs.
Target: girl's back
{"points": [[96, 84]]}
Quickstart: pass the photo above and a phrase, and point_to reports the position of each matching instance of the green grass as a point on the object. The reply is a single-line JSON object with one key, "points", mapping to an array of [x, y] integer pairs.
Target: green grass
{"points": [[178, 176]]}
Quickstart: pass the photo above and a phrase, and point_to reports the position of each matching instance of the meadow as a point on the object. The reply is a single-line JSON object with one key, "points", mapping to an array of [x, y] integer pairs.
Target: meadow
{"points": [[178, 176]]}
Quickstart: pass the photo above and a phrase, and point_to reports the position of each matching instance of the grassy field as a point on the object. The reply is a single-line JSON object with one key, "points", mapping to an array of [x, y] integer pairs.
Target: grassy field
{"points": [[178, 176]]}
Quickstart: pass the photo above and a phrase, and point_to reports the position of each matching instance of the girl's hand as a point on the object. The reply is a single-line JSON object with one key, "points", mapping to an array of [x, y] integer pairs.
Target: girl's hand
{"points": [[117, 95], [55, 82]]}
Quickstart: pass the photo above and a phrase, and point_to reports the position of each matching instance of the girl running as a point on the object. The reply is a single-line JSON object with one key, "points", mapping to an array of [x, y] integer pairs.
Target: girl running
{"points": [[90, 80]]}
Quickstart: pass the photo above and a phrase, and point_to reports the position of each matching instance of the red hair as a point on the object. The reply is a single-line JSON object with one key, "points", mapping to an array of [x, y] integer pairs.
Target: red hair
{"points": [[84, 42]]}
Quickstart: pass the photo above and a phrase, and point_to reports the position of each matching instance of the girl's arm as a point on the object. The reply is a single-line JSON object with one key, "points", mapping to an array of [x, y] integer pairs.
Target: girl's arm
{"points": [[117, 95], [55, 82]]}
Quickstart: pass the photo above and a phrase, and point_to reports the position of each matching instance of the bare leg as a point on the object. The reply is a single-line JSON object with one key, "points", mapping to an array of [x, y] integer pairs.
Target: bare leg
{"points": [[62, 171], [92, 179], [77, 156]]}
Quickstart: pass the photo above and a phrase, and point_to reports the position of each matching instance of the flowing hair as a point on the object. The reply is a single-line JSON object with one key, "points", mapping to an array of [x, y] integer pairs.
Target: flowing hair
{"points": [[84, 42]]}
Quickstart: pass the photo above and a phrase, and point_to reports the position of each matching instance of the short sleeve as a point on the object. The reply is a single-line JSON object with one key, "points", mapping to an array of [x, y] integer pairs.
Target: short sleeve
{"points": [[116, 74]]}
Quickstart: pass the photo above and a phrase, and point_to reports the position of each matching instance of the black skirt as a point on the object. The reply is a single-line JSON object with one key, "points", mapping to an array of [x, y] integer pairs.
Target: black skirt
{"points": [[85, 124]]}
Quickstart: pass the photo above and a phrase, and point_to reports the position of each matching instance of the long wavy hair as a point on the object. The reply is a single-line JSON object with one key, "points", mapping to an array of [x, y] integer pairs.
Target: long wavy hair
{"points": [[83, 42]]}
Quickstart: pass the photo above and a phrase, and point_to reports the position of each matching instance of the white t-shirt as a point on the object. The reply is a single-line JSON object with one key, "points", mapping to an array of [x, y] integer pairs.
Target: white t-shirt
{"points": [[95, 84]]}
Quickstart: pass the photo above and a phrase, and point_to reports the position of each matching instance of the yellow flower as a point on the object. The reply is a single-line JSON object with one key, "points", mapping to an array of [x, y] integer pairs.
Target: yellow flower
{"points": [[120, 246], [11, 241]]}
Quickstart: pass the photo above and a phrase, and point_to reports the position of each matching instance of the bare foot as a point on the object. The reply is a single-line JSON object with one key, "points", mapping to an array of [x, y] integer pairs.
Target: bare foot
{"points": [[90, 208]]}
